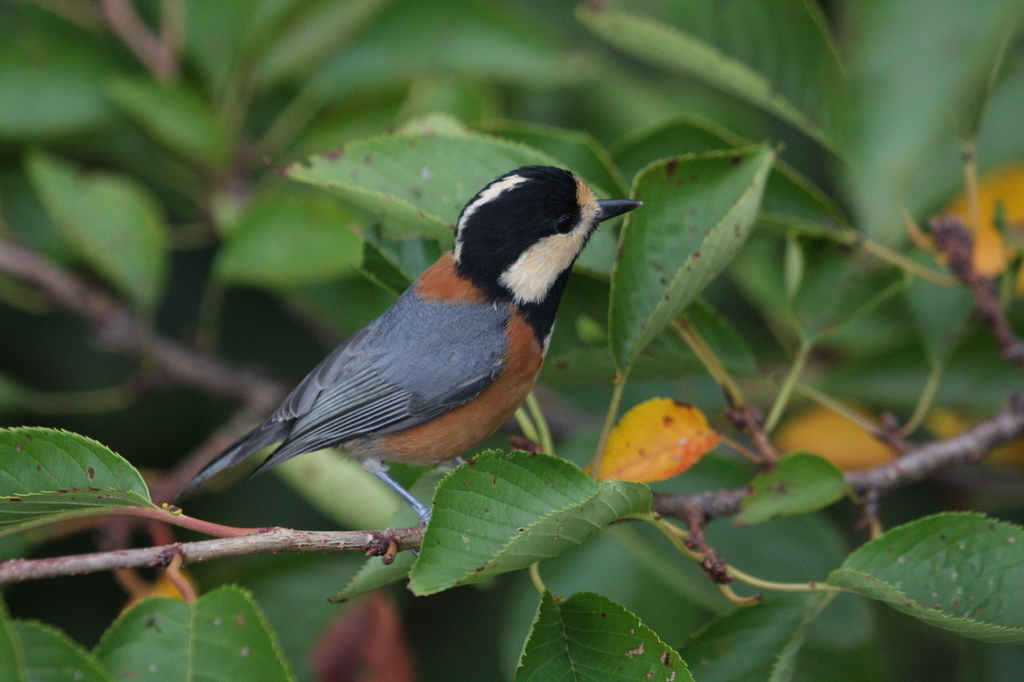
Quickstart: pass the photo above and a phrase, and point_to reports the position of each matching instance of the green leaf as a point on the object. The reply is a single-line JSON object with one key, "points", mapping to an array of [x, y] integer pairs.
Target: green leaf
{"points": [[12, 657], [51, 655], [789, 199], [941, 316], [590, 637], [291, 238], [577, 151], [395, 264], [754, 643], [420, 181], [175, 115], [962, 572], [222, 635], [498, 513], [374, 573], [343, 306], [776, 56], [112, 220], [698, 210], [906, 94], [13, 394], [724, 339], [318, 30], [48, 475], [666, 596], [339, 488], [485, 42], [573, 358], [797, 484], [51, 79]]}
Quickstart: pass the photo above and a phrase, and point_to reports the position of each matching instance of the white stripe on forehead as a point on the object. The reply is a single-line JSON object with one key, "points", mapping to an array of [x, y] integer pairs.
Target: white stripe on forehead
{"points": [[489, 193]]}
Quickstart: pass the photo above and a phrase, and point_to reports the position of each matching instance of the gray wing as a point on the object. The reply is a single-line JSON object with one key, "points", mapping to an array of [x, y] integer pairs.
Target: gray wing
{"points": [[417, 361]]}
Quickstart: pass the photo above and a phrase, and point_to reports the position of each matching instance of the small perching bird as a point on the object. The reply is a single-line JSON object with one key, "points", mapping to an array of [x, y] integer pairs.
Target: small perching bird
{"points": [[454, 357]]}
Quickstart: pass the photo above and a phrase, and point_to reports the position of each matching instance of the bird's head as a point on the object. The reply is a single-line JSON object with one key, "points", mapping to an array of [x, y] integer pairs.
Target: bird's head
{"points": [[518, 237]]}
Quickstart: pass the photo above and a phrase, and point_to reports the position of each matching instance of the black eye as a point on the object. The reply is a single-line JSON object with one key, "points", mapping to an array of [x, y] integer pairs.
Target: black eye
{"points": [[564, 224]]}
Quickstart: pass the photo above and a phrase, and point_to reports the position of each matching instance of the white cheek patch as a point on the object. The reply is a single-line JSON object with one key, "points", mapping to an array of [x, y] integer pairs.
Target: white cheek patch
{"points": [[489, 194], [530, 278]]}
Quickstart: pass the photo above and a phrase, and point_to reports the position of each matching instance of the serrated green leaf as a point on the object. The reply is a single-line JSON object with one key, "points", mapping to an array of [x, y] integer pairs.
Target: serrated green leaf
{"points": [[574, 359], [588, 637], [737, 48], [661, 593], [578, 151], [789, 199], [222, 635], [755, 643], [12, 657], [48, 475], [498, 513], [797, 484], [419, 181], [698, 210], [291, 238], [112, 220], [175, 115], [374, 573], [962, 572], [51, 655]]}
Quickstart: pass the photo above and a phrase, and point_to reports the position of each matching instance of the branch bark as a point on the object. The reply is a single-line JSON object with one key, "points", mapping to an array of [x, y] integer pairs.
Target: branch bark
{"points": [[381, 543], [119, 331], [955, 242], [915, 465]]}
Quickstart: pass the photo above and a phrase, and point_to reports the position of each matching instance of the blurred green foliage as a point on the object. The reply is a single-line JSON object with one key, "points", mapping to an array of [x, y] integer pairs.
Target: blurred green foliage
{"points": [[179, 158]]}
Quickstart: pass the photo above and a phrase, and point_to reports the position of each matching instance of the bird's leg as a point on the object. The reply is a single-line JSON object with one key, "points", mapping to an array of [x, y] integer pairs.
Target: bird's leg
{"points": [[380, 470]]}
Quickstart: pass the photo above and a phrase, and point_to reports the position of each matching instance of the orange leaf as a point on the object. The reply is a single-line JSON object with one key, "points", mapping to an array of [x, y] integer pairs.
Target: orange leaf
{"points": [[162, 587], [821, 431], [1005, 186], [656, 440]]}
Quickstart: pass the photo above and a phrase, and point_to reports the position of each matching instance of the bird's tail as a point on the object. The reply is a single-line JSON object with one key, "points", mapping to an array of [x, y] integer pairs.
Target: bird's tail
{"points": [[255, 440]]}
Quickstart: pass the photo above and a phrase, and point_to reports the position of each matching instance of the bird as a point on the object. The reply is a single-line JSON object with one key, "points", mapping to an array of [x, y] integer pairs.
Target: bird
{"points": [[453, 358]]}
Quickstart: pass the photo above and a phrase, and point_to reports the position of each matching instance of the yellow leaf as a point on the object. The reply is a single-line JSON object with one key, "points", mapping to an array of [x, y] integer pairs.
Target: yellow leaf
{"points": [[821, 431], [163, 587], [1005, 186], [656, 440]]}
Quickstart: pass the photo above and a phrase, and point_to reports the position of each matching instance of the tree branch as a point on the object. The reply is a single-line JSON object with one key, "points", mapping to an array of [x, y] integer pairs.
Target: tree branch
{"points": [[955, 242], [156, 52], [917, 464], [381, 543], [119, 330]]}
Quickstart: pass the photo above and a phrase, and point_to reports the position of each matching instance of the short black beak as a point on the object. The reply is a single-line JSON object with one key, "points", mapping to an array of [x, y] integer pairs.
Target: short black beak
{"points": [[613, 207]]}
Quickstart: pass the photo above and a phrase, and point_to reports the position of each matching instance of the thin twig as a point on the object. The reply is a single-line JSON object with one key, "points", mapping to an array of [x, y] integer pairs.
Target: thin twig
{"points": [[157, 56], [916, 465], [373, 543], [956, 243], [750, 422], [119, 330]]}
